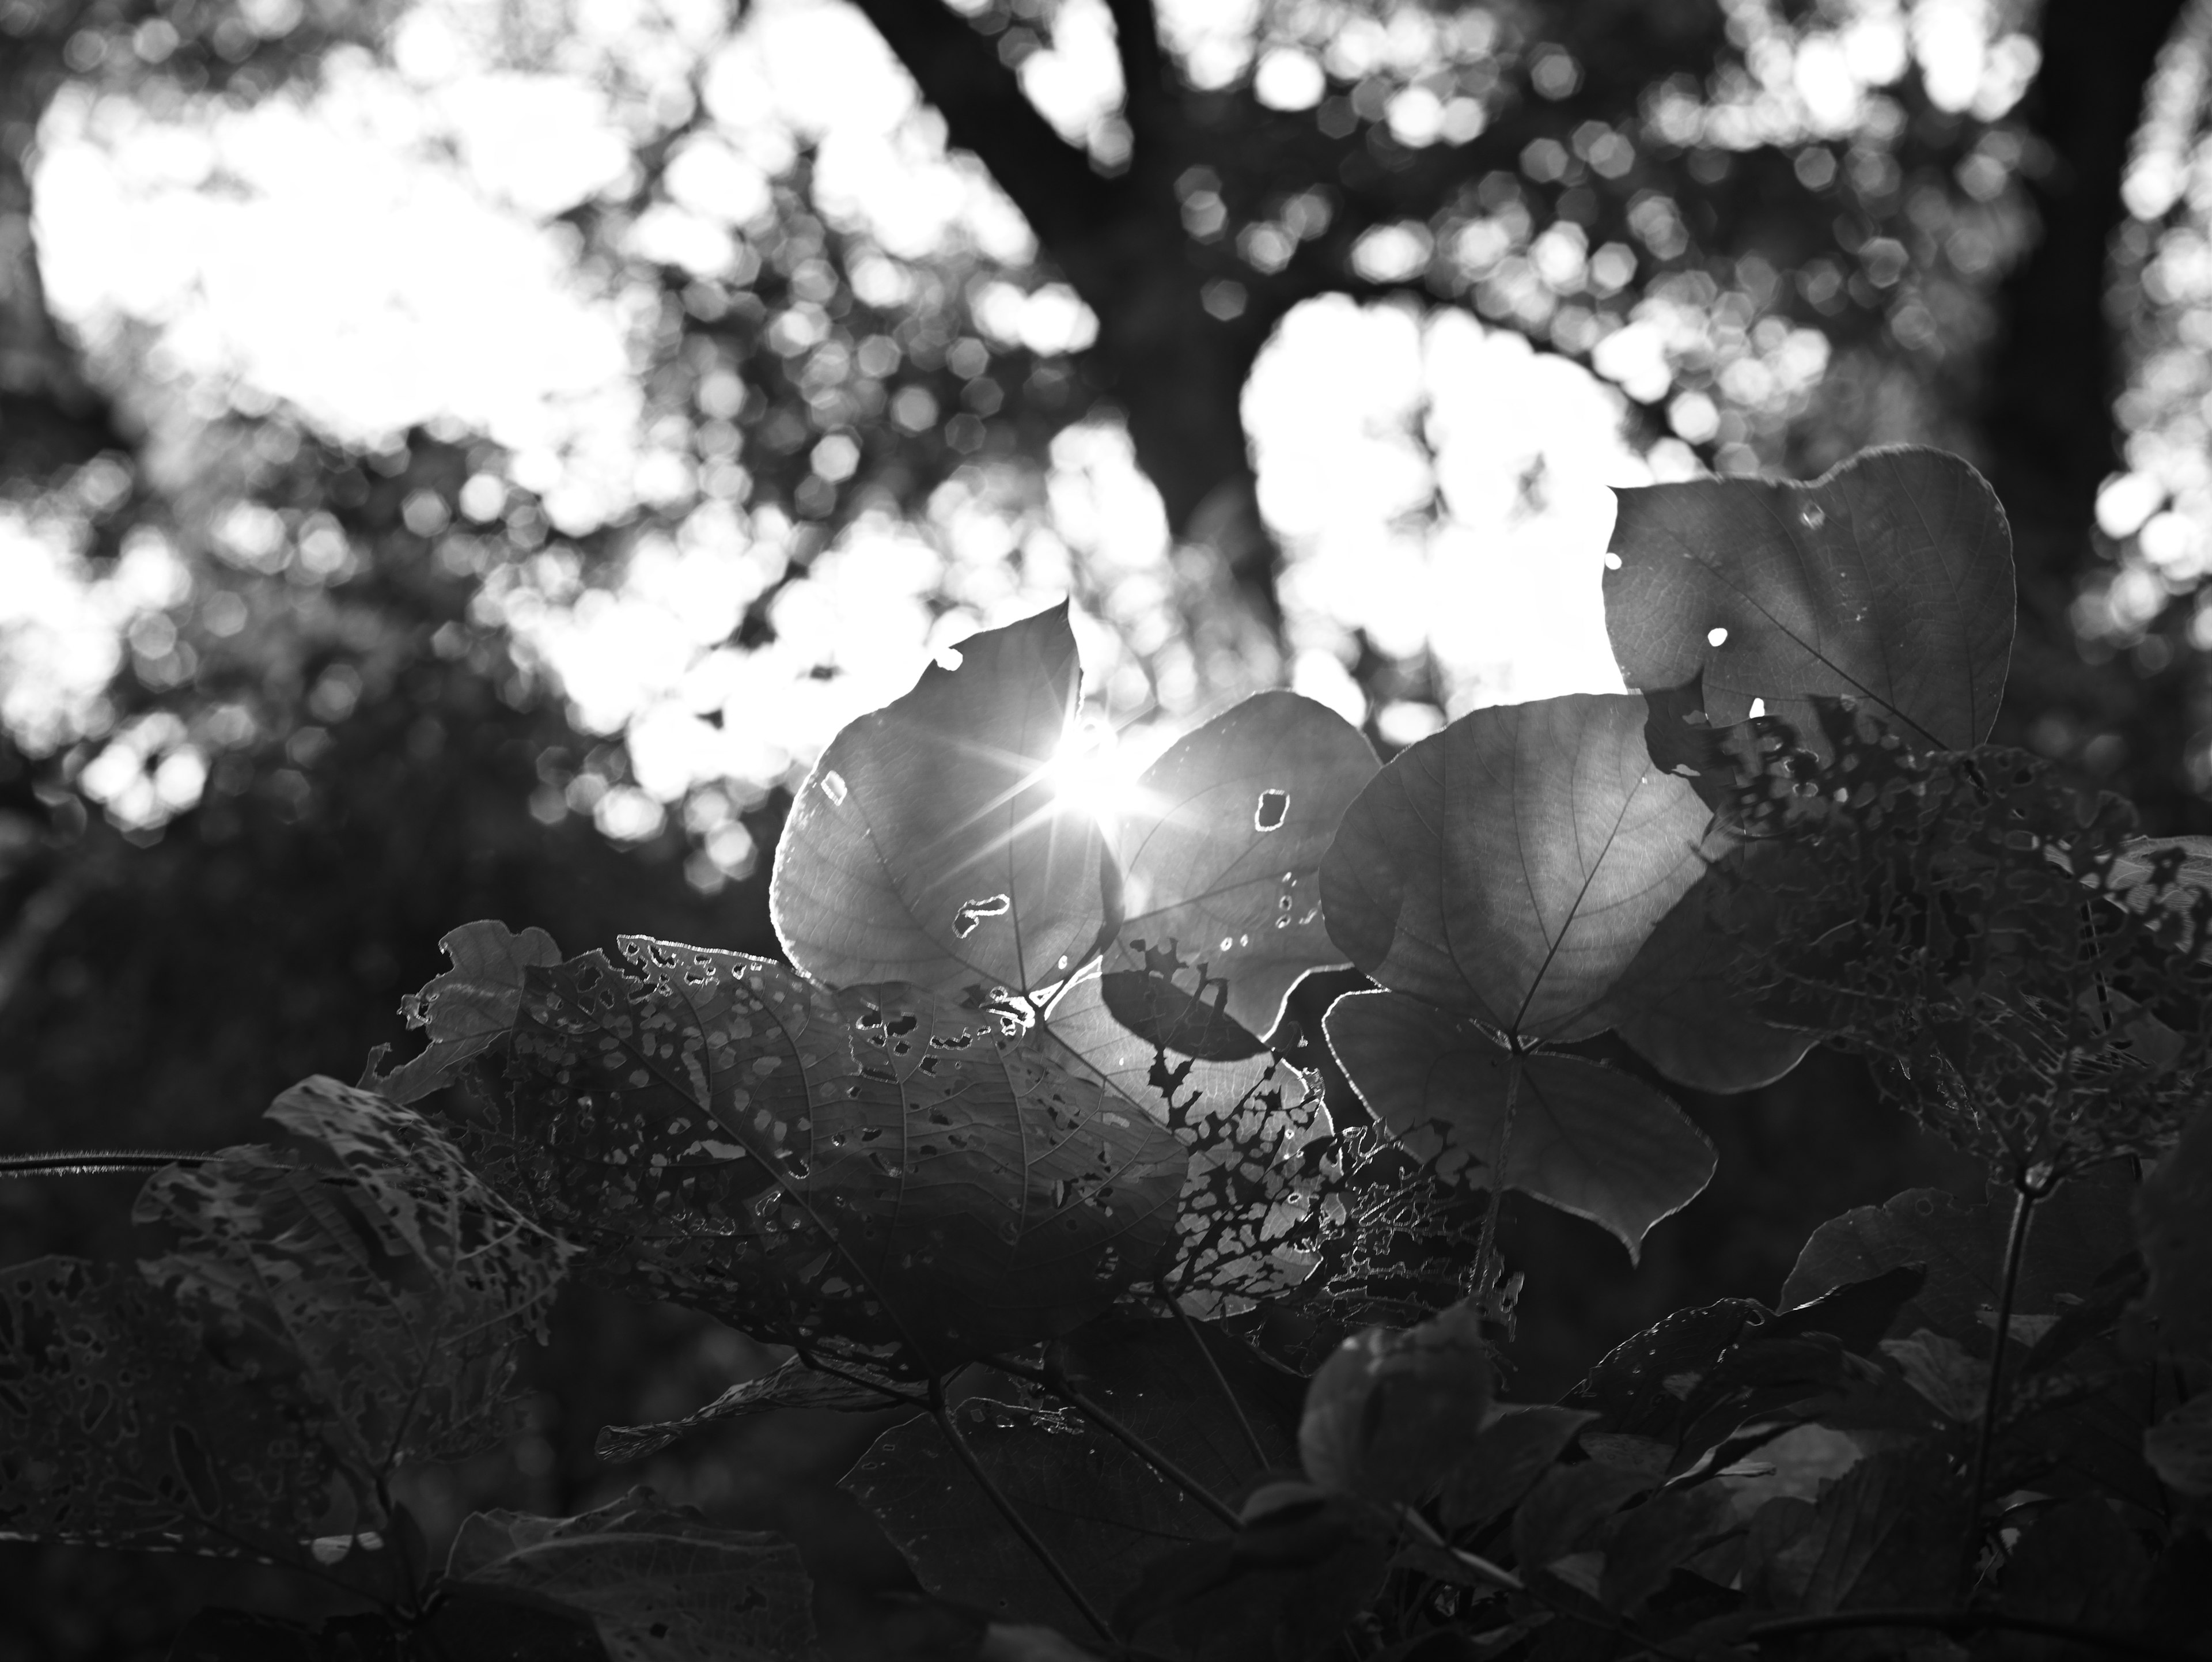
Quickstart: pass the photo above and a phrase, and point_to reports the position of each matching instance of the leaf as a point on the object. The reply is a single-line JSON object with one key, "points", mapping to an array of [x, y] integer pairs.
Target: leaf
{"points": [[1512, 867], [1585, 1138], [1889, 580], [1941, 1370], [119, 1428], [791, 1385], [929, 845], [2074, 1235], [1886, 1533], [660, 1583], [2078, 1563], [1389, 1415], [468, 1008], [375, 1265], [1104, 1512], [2173, 1214], [1507, 1459], [2178, 1448], [1640, 1385], [1567, 1506], [1650, 1542], [1681, 1003], [1151, 1375], [1258, 1134], [873, 1172], [1222, 857]]}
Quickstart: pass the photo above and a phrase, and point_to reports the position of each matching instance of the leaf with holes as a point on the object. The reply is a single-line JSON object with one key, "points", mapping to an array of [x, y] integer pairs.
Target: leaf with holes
{"points": [[1222, 852], [872, 1172], [1512, 867], [1260, 1143], [658, 1582], [1889, 580], [1585, 1138], [469, 1008], [372, 1269], [119, 1426], [930, 845]]}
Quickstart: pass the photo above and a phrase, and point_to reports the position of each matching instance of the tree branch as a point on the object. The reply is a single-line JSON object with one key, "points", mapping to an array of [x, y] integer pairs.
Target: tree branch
{"points": [[987, 113]]}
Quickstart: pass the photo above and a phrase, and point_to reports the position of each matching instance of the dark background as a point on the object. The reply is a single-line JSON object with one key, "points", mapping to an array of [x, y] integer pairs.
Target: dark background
{"points": [[1981, 281]]}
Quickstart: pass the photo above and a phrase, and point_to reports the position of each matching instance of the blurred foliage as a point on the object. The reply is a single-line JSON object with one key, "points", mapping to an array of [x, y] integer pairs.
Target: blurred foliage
{"points": [[300, 720]]}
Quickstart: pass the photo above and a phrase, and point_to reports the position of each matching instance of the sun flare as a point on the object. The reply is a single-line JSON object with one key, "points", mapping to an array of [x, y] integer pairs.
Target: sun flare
{"points": [[1091, 773]]}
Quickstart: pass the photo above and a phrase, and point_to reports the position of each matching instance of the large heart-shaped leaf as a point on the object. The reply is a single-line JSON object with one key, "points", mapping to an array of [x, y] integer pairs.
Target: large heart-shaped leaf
{"points": [[930, 844], [658, 1582], [119, 1428], [1512, 866], [1257, 1133], [1222, 852], [1585, 1138], [1888, 579], [377, 1272], [871, 1169], [1682, 1004]]}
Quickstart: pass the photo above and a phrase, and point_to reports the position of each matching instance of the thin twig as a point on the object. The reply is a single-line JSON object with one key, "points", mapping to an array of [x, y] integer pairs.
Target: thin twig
{"points": [[1214, 1366], [1020, 1524], [2025, 1197], [93, 1162], [1060, 1385], [1967, 1621]]}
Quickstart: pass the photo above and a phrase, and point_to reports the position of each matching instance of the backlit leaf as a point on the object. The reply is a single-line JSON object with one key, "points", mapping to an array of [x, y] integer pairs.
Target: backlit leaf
{"points": [[929, 844], [1681, 1003], [1889, 580], [660, 1583], [868, 1171], [375, 1265], [119, 1428], [1222, 852], [470, 1008], [1585, 1138], [1512, 867]]}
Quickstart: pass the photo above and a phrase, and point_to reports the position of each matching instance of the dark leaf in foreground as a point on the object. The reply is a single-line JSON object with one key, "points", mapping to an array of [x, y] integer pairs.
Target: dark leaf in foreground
{"points": [[930, 845], [374, 1268], [1104, 1511], [2173, 1213], [1886, 1533], [118, 1428], [1390, 1414], [1586, 1138], [1512, 867], [660, 1583], [2075, 1234], [1889, 579], [871, 1170], [1507, 1459]]}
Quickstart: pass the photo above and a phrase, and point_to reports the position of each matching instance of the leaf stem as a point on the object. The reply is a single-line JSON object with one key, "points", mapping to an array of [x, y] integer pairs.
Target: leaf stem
{"points": [[1967, 1621], [2025, 1195], [1214, 1366], [1020, 1524], [1056, 1381], [1487, 1247]]}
